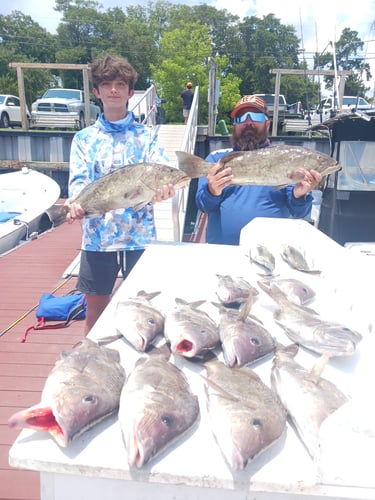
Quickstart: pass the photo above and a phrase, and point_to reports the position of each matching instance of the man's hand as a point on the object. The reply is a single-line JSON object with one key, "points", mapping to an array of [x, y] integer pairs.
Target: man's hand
{"points": [[218, 178], [310, 181], [167, 191]]}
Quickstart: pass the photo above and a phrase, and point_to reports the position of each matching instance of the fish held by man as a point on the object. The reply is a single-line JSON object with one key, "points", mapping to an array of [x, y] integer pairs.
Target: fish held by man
{"points": [[308, 398], [131, 186], [82, 389], [307, 328], [157, 407], [275, 166], [246, 416], [190, 331]]}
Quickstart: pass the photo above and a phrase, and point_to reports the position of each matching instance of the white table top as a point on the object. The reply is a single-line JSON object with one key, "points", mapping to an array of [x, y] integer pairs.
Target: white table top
{"points": [[189, 271]]}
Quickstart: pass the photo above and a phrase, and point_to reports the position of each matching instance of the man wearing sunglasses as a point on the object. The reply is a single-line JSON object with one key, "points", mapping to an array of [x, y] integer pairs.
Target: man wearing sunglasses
{"points": [[230, 208]]}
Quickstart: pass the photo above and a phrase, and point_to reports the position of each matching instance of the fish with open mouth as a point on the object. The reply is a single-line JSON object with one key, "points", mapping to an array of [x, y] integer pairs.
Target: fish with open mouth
{"points": [[275, 166], [308, 398], [307, 328], [82, 389], [157, 407], [246, 416], [190, 331], [233, 291]]}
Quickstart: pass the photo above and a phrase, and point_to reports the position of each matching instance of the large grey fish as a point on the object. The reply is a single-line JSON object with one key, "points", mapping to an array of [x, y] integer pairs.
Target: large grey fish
{"points": [[82, 389], [157, 407], [308, 329], [130, 186], [260, 255], [190, 331], [295, 290], [246, 416], [275, 166], [233, 291], [137, 321], [296, 260], [308, 398], [243, 340]]}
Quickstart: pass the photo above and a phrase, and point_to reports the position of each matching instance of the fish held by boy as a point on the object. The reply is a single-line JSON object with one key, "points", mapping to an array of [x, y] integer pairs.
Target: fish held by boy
{"points": [[132, 186]]}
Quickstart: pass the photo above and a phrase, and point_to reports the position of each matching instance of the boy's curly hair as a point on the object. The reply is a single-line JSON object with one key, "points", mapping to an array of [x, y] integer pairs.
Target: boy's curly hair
{"points": [[111, 68]]}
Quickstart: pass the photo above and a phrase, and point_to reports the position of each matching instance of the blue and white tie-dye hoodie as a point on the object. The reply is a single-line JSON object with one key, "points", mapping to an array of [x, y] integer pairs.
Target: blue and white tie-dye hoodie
{"points": [[98, 150]]}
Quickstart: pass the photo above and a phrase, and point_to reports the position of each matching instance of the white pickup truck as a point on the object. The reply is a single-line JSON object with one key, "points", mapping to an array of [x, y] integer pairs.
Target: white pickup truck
{"points": [[62, 108], [327, 107]]}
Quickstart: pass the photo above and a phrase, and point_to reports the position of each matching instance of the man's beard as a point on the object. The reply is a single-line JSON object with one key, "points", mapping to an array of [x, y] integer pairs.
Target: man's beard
{"points": [[248, 139]]}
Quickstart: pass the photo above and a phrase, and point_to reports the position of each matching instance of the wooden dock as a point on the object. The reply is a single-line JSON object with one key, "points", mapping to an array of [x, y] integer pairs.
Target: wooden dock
{"points": [[34, 268]]}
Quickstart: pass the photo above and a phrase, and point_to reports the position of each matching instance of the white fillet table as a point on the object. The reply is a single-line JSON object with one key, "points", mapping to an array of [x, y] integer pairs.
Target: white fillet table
{"points": [[95, 465]]}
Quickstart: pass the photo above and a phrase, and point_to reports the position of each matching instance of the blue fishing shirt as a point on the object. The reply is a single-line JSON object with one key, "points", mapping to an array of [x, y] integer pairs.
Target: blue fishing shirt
{"points": [[98, 150], [236, 206]]}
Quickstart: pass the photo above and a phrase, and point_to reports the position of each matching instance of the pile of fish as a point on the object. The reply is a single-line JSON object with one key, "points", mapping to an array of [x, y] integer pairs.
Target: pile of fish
{"points": [[155, 403]]}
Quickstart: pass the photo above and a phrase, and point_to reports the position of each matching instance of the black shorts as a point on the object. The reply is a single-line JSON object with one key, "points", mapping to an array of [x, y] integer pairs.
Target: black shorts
{"points": [[98, 270]]}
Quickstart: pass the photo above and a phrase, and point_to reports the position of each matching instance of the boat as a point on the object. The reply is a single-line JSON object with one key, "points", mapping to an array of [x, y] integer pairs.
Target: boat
{"points": [[25, 195]]}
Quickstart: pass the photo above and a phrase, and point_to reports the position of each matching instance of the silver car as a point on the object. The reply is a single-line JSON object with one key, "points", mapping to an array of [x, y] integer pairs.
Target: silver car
{"points": [[10, 111]]}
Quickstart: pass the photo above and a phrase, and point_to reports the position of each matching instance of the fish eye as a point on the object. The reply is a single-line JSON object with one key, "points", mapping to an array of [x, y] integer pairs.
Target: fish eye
{"points": [[257, 422], [254, 341], [151, 321], [89, 399], [167, 421]]}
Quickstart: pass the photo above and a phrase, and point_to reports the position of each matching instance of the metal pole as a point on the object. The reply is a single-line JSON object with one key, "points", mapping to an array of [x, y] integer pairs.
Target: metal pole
{"points": [[211, 98]]}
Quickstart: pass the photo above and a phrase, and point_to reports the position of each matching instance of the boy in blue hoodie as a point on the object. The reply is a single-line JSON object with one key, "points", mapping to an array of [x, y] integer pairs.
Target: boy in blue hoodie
{"points": [[116, 239]]}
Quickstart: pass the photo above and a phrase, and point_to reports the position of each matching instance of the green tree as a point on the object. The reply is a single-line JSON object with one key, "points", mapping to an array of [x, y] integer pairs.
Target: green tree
{"points": [[184, 55], [347, 59], [23, 40], [266, 45]]}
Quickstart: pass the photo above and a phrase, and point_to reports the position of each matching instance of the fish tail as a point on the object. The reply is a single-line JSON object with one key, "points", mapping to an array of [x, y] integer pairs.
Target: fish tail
{"points": [[57, 214], [192, 165]]}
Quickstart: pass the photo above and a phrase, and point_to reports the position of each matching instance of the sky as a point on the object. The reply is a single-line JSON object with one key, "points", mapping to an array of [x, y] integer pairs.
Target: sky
{"points": [[316, 22]]}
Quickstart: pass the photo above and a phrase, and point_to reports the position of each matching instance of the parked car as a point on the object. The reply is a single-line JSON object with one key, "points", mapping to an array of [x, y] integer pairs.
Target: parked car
{"points": [[62, 108], [328, 107], [10, 111]]}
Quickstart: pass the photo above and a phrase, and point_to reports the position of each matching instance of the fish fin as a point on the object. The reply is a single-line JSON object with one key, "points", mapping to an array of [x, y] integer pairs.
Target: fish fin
{"points": [[194, 304], [192, 165], [111, 338], [280, 186], [246, 308], [57, 214], [310, 271], [317, 369], [148, 296]]}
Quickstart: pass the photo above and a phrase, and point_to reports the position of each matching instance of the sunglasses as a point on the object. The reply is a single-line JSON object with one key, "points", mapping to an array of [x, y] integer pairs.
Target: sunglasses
{"points": [[254, 117]]}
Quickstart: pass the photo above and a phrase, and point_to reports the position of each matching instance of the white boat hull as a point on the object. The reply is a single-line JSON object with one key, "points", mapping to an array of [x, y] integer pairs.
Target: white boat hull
{"points": [[25, 195]]}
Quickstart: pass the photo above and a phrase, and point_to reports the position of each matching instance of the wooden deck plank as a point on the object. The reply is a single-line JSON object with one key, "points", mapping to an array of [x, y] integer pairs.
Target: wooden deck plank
{"points": [[31, 269]]}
